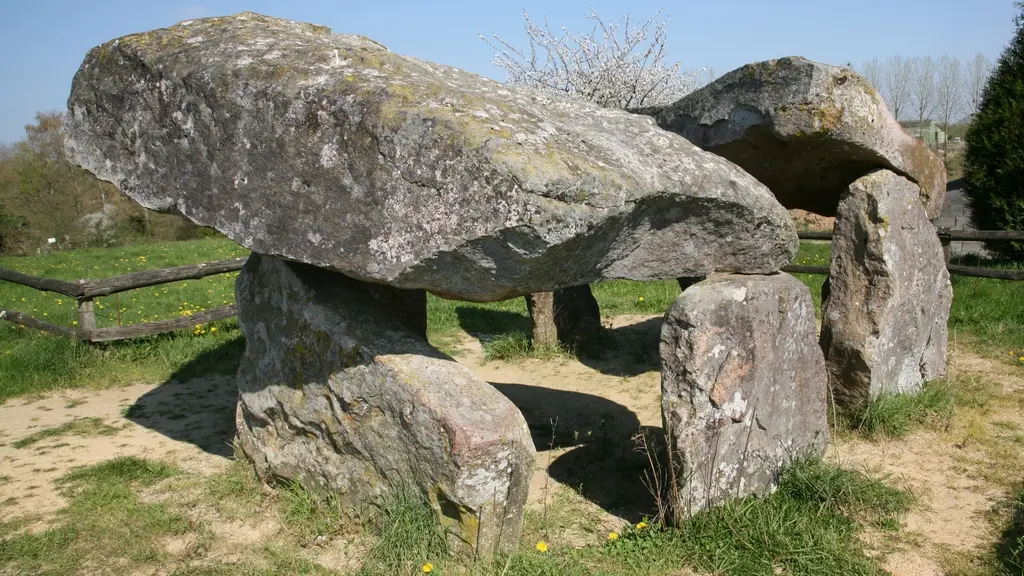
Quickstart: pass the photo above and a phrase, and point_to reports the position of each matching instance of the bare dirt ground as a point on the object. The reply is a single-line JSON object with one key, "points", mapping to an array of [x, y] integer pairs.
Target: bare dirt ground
{"points": [[583, 415]]}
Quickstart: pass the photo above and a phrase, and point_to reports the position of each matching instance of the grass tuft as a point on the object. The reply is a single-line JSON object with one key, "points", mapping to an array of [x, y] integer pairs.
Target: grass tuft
{"points": [[808, 526], [77, 427], [407, 535], [313, 515], [517, 346], [891, 415]]}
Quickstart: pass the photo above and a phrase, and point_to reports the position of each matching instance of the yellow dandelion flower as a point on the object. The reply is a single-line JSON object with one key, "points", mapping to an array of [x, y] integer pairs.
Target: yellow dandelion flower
{"points": [[641, 298], [542, 546], [1021, 359], [213, 328], [641, 525], [613, 536], [428, 568]]}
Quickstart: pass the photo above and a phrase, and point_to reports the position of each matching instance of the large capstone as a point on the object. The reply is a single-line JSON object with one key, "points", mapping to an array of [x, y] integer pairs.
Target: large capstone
{"points": [[807, 130], [331, 150], [743, 386], [886, 304], [339, 394]]}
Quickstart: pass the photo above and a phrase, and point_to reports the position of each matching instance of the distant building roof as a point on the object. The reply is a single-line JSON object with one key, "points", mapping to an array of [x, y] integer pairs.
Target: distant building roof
{"points": [[917, 124]]}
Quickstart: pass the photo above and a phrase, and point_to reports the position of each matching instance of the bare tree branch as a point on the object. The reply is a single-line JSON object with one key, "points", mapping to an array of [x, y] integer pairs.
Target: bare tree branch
{"points": [[976, 75], [949, 96], [897, 75], [922, 87], [872, 71]]}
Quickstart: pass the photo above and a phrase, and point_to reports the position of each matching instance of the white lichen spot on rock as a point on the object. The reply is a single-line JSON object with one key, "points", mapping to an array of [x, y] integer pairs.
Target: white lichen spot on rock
{"points": [[329, 155]]}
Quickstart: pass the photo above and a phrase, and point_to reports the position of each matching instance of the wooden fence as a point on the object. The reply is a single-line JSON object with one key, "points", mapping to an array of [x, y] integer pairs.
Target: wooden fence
{"points": [[945, 236], [84, 291]]}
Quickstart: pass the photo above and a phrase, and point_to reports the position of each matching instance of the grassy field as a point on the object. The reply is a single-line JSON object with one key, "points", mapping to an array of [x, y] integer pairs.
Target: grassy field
{"points": [[986, 314], [125, 514]]}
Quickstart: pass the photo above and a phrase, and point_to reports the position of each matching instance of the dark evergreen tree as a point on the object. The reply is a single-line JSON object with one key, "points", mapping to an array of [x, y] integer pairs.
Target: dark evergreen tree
{"points": [[994, 159]]}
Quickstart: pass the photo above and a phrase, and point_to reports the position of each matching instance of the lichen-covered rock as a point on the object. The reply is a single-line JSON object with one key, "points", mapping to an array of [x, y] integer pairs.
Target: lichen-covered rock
{"points": [[807, 130], [331, 150], [743, 386], [338, 394], [887, 300]]}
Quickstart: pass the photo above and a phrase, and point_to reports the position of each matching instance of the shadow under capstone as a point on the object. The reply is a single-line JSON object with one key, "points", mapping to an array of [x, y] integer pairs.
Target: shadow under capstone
{"points": [[628, 350], [197, 403], [603, 466]]}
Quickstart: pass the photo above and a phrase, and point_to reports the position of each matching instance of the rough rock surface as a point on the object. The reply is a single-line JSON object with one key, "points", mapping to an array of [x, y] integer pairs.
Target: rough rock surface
{"points": [[331, 150], [743, 385], [337, 394], [807, 130], [886, 306]]}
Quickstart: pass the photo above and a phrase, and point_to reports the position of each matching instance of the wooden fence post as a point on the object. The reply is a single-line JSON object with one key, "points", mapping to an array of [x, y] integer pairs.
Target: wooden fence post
{"points": [[86, 318]]}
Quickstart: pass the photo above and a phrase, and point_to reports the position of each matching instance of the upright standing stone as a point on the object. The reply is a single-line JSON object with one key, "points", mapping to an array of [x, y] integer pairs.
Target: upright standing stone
{"points": [[743, 386], [885, 313], [337, 393], [564, 316]]}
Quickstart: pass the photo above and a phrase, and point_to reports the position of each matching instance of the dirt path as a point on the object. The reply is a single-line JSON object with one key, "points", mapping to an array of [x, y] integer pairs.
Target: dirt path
{"points": [[584, 416]]}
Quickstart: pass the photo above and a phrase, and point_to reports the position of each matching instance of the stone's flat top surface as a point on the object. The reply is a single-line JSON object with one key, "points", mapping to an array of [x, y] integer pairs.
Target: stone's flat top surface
{"points": [[805, 129], [331, 150]]}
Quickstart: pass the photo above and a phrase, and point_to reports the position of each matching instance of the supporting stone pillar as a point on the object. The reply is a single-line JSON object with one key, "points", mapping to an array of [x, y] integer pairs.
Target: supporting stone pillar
{"points": [[743, 387], [886, 303], [338, 394], [563, 316]]}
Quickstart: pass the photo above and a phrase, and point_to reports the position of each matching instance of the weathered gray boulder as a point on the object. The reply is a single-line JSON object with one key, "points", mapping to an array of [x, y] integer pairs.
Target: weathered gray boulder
{"points": [[887, 302], [337, 394], [743, 386], [807, 130], [330, 150]]}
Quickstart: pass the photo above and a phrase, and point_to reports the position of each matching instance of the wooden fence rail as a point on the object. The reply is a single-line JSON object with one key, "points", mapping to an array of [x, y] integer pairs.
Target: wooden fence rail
{"points": [[84, 291], [946, 236]]}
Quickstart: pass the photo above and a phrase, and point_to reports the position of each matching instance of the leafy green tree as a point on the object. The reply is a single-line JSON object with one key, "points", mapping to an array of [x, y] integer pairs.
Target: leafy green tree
{"points": [[994, 159]]}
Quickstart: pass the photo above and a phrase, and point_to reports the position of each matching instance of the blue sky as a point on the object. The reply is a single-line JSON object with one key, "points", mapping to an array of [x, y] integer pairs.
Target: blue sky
{"points": [[42, 42]]}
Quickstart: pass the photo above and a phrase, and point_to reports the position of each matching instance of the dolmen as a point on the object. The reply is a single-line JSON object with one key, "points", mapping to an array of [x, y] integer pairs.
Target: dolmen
{"points": [[363, 179], [822, 139]]}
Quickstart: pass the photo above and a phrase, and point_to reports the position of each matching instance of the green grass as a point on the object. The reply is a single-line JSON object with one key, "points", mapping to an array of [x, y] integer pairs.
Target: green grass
{"points": [[105, 526], [808, 527], [985, 313], [77, 427], [891, 415], [312, 515], [406, 534], [33, 362]]}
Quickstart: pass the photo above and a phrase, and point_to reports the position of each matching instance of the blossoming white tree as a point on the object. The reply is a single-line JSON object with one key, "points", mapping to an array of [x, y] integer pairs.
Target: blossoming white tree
{"points": [[601, 67]]}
